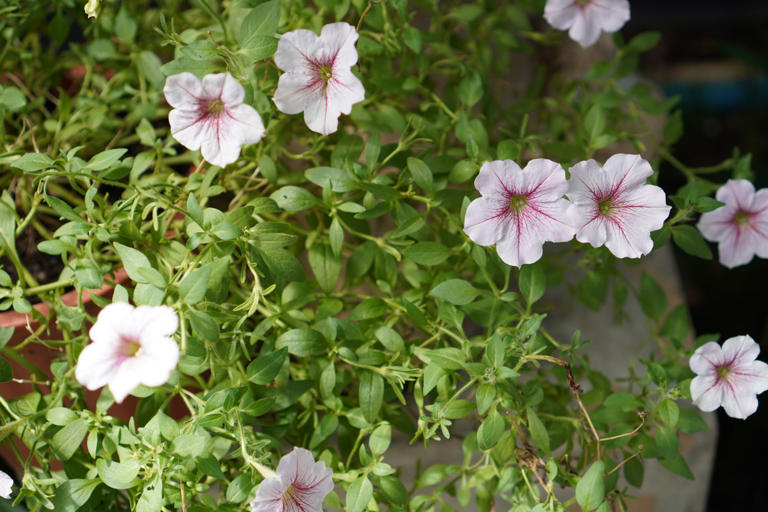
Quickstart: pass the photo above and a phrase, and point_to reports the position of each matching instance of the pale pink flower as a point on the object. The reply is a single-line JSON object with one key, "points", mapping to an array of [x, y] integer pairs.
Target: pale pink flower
{"points": [[614, 205], [520, 209], [740, 225], [300, 485], [6, 482], [728, 376], [131, 346], [318, 79], [585, 19], [211, 116]]}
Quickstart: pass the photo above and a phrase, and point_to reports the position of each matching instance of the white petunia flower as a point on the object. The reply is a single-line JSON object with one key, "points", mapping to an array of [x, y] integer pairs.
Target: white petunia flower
{"points": [[6, 482], [585, 19], [131, 346], [728, 376], [318, 79], [300, 485], [211, 116], [740, 225], [615, 207], [520, 209]]}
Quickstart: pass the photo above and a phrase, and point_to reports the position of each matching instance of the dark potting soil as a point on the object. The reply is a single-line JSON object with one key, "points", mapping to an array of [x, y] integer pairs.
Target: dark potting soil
{"points": [[45, 268]]}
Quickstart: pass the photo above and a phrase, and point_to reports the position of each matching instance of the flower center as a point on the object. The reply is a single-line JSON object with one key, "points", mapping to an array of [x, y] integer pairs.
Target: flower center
{"points": [[583, 2], [605, 207], [326, 73], [741, 218], [723, 372], [517, 203], [289, 496], [130, 347], [215, 107]]}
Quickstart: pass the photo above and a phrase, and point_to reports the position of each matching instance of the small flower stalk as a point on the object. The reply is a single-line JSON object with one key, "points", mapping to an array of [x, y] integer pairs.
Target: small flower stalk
{"points": [[728, 376], [299, 485], [740, 226], [586, 19], [211, 116], [130, 346], [318, 78], [614, 205], [520, 209]]}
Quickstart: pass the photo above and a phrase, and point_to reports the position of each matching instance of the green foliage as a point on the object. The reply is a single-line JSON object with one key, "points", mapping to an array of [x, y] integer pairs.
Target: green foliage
{"points": [[327, 294]]}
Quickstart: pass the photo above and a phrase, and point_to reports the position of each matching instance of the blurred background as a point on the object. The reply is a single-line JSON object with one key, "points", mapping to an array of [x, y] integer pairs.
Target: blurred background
{"points": [[714, 56]]}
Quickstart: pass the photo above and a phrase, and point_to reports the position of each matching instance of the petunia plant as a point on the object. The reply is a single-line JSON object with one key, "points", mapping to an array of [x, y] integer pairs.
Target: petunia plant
{"points": [[215, 304]]}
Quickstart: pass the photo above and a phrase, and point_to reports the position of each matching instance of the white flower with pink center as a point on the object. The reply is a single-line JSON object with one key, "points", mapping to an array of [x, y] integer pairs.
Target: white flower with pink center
{"points": [[585, 19], [211, 116], [728, 376], [318, 79], [615, 206], [131, 346], [6, 482], [740, 225], [300, 485], [520, 209]]}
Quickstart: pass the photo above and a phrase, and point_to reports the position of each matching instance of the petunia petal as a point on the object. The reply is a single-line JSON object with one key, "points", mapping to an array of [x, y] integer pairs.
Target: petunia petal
{"points": [[269, 495], [245, 124], [97, 364], [126, 378], [483, 224], [561, 13], [158, 358], [612, 14], [738, 404], [183, 91], [295, 49], [706, 359], [296, 91], [6, 482], [707, 395], [585, 29], [223, 87], [339, 39], [322, 115]]}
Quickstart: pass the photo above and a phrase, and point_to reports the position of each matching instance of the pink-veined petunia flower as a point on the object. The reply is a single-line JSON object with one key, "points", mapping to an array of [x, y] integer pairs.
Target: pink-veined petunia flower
{"points": [[318, 79], [300, 485], [131, 346], [615, 206], [728, 376], [211, 116], [740, 225], [520, 209], [5, 485], [585, 19]]}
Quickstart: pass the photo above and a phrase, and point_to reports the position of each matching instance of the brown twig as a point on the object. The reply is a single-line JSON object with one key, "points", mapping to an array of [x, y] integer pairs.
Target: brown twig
{"points": [[362, 16], [642, 422], [625, 461], [183, 498]]}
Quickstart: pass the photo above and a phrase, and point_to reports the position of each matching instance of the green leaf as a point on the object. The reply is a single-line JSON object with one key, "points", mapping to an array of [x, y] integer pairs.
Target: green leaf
{"points": [[471, 89], [634, 471], [262, 20], [538, 430], [33, 162], [669, 412], [594, 122], [427, 253], [490, 431], [6, 372], [325, 266], [151, 499], [193, 287], [133, 261], [380, 438], [643, 42], [336, 237], [690, 421], [678, 466], [359, 494], [690, 240], [652, 298], [391, 340], [61, 416], [325, 429], [265, 368], [677, 325], [532, 283], [12, 98], [455, 291], [338, 179], [67, 440], [484, 397], [448, 358], [72, 494], [590, 490], [118, 475], [371, 394], [105, 159], [420, 173], [302, 342], [208, 465], [294, 199]]}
